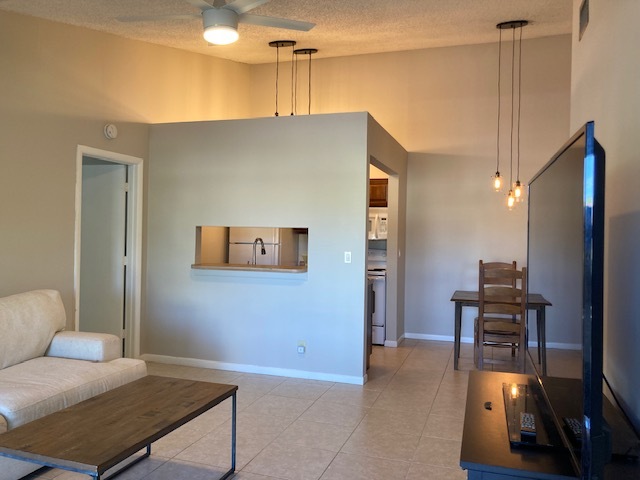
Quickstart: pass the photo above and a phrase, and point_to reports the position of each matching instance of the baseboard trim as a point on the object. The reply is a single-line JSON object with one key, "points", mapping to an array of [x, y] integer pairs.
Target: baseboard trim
{"points": [[437, 338], [449, 338], [242, 368]]}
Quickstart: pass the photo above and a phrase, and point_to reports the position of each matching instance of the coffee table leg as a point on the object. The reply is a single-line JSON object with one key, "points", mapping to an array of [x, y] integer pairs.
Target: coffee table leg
{"points": [[128, 465], [233, 438]]}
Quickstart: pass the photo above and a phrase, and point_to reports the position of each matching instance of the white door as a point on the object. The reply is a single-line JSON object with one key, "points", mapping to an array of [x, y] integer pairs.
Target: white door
{"points": [[103, 247]]}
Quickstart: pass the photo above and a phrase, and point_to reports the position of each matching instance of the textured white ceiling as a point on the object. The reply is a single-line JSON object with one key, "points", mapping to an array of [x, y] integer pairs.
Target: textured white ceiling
{"points": [[343, 27]]}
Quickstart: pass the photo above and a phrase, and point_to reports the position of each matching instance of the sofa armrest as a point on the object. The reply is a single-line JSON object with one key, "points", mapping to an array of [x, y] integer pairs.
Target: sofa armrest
{"points": [[94, 347]]}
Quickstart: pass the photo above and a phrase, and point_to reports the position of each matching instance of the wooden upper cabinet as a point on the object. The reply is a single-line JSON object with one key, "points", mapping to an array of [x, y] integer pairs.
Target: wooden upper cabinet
{"points": [[378, 192]]}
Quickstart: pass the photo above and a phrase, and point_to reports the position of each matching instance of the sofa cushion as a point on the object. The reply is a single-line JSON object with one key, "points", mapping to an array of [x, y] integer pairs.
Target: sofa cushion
{"points": [[28, 322], [94, 347], [44, 385]]}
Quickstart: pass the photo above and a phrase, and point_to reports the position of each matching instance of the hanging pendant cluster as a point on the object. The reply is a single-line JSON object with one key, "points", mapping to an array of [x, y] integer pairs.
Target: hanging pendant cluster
{"points": [[295, 54], [516, 189]]}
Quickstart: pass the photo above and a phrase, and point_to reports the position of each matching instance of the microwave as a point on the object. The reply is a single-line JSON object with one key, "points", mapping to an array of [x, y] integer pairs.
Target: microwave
{"points": [[377, 225]]}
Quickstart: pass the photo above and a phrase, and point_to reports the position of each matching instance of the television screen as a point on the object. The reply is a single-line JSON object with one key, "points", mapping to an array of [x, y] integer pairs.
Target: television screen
{"points": [[565, 264]]}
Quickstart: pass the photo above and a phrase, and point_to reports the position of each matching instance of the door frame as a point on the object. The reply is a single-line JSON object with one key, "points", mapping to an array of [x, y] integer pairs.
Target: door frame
{"points": [[134, 240]]}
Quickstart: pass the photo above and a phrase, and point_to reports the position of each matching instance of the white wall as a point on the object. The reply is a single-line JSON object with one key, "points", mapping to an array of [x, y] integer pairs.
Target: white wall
{"points": [[306, 171], [441, 104], [604, 88]]}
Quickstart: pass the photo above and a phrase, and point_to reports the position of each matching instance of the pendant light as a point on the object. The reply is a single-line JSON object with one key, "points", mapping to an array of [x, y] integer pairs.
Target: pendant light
{"points": [[516, 190], [518, 187], [277, 44], [306, 51], [497, 178]]}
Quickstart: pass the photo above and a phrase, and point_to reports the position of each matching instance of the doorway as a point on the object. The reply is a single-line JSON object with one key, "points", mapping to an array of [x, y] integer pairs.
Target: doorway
{"points": [[393, 246], [108, 245]]}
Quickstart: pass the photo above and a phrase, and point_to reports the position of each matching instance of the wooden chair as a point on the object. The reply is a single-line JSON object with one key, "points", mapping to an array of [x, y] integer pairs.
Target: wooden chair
{"points": [[497, 279], [501, 318]]}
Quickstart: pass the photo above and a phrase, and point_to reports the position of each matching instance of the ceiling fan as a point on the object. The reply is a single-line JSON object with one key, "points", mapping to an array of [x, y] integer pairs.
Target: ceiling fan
{"points": [[221, 19]]}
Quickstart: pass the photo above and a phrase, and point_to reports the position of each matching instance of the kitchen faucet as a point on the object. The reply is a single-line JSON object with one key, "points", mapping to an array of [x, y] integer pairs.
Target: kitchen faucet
{"points": [[263, 251]]}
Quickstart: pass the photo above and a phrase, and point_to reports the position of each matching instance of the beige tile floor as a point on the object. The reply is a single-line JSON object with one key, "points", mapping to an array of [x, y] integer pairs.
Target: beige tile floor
{"points": [[405, 423]]}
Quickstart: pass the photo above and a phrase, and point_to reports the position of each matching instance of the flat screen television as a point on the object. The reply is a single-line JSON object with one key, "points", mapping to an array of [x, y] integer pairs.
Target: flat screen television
{"points": [[565, 258]]}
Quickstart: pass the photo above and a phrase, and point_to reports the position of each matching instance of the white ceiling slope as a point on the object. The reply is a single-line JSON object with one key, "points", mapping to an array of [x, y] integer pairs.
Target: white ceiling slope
{"points": [[343, 27]]}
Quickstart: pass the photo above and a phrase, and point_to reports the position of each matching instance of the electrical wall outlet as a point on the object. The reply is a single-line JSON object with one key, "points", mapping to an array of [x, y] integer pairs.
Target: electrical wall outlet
{"points": [[302, 347]]}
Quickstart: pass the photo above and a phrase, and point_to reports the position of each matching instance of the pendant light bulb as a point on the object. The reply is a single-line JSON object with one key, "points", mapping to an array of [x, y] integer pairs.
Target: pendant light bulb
{"points": [[497, 182], [518, 191], [511, 199]]}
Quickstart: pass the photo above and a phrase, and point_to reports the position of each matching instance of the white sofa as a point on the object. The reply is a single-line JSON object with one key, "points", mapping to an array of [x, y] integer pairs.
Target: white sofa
{"points": [[44, 369]]}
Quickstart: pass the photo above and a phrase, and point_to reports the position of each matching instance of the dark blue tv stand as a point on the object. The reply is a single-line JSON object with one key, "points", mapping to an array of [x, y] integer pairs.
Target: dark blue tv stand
{"points": [[486, 453]]}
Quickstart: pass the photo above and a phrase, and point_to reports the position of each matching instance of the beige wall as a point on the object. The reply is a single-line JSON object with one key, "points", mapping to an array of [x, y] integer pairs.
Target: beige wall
{"points": [[375, 172], [59, 86], [441, 105], [307, 171], [605, 79]]}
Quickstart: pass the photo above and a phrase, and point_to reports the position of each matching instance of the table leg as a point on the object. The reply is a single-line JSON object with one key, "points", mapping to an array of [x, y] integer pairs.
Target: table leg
{"points": [[457, 328], [97, 476], [233, 438]]}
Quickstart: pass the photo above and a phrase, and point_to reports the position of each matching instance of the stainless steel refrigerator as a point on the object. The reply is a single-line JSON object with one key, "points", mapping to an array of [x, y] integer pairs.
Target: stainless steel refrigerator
{"points": [[254, 245]]}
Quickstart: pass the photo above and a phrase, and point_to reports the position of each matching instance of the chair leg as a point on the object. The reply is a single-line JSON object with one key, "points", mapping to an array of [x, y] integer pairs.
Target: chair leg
{"points": [[475, 344], [477, 347], [521, 359], [522, 348]]}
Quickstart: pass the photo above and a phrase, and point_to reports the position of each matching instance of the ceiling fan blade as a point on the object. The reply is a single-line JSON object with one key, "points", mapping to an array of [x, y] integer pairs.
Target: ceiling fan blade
{"points": [[201, 4], [276, 22], [155, 18], [243, 6]]}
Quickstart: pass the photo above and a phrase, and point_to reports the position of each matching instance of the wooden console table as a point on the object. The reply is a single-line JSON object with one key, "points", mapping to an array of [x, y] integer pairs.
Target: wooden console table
{"points": [[93, 436], [486, 453], [535, 301]]}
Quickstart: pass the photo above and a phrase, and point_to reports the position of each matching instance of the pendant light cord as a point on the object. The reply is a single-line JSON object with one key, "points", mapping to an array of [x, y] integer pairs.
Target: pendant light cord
{"points": [[519, 95], [292, 84], [499, 95], [295, 100], [309, 83], [277, 73], [513, 55]]}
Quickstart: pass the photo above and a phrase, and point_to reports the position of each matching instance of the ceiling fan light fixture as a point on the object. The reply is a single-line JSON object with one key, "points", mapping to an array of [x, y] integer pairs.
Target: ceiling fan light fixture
{"points": [[220, 26], [220, 35]]}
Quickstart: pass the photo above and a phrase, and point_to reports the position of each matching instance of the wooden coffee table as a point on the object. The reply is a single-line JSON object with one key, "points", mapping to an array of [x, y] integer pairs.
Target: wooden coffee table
{"points": [[95, 435]]}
